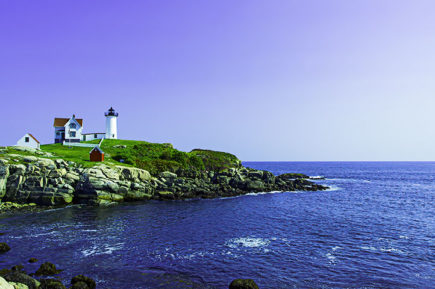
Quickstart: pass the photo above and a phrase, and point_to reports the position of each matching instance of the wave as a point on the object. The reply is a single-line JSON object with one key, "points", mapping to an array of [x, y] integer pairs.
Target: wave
{"points": [[383, 249], [333, 188], [263, 193], [247, 242], [101, 250], [317, 178]]}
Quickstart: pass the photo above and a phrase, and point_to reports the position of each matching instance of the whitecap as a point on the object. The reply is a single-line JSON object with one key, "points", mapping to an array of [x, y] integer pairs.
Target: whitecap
{"points": [[247, 242], [369, 248], [331, 258], [333, 188], [101, 250], [392, 250], [262, 193]]}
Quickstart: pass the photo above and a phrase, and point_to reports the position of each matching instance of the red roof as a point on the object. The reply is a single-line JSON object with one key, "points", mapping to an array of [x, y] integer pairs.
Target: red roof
{"points": [[33, 137], [62, 121]]}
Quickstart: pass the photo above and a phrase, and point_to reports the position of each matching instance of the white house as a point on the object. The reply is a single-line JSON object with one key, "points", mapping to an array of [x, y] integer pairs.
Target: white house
{"points": [[28, 140], [68, 129]]}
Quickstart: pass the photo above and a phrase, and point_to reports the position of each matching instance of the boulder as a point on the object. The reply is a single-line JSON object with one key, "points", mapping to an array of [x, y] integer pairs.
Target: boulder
{"points": [[33, 260], [80, 285], [20, 277], [47, 269], [243, 284], [165, 195], [134, 174], [255, 185], [291, 176], [29, 159], [25, 149], [83, 279], [4, 284], [18, 285], [51, 284], [4, 247], [168, 175], [4, 174], [45, 163]]}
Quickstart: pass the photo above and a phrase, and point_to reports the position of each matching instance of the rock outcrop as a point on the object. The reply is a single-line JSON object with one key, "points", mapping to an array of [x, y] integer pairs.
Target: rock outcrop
{"points": [[243, 284], [51, 182]]}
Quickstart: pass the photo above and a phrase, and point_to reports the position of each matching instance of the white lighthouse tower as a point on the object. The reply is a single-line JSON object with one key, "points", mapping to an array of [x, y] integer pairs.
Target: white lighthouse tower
{"points": [[111, 124]]}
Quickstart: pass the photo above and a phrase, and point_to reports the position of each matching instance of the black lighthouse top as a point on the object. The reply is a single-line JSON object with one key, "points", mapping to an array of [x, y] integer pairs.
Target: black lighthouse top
{"points": [[111, 112]]}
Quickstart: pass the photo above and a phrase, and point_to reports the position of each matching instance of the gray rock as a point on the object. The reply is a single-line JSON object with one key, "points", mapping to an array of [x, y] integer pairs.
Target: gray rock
{"points": [[5, 285], [168, 175], [19, 277], [29, 159]]}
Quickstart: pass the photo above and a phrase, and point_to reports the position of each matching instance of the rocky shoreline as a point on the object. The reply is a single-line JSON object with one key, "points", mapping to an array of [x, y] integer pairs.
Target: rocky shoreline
{"points": [[29, 181]]}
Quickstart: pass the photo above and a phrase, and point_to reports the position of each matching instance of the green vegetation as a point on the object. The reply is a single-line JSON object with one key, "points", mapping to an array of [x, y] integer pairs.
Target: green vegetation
{"points": [[153, 157], [214, 160]]}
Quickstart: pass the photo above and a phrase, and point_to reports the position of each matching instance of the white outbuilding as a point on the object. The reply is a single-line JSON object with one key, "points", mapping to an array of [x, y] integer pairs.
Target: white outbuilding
{"points": [[28, 140]]}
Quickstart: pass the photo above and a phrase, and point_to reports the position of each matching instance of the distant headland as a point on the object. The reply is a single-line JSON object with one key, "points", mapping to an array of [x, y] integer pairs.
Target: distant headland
{"points": [[105, 170]]}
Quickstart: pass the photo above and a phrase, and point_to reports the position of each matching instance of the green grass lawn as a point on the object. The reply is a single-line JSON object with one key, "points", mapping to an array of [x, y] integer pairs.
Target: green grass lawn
{"points": [[154, 157]]}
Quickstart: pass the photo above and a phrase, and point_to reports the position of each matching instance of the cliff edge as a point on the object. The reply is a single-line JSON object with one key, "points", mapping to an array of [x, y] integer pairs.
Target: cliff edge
{"points": [[45, 178]]}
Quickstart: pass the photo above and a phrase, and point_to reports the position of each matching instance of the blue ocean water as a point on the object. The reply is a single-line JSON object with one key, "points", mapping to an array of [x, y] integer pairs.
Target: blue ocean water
{"points": [[375, 228]]}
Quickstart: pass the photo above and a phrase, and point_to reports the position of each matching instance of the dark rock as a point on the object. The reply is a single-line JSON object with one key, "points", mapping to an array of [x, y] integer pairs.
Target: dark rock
{"points": [[33, 260], [243, 284], [291, 176], [51, 284], [47, 269], [18, 268], [83, 279], [80, 285], [4, 247], [20, 277]]}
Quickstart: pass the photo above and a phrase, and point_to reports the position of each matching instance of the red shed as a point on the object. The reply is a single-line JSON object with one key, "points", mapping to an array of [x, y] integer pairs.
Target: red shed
{"points": [[96, 154]]}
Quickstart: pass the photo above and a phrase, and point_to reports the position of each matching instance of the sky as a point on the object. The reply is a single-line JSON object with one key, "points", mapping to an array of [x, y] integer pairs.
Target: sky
{"points": [[324, 80]]}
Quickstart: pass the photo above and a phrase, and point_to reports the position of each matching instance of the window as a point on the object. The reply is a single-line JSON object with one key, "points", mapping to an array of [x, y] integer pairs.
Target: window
{"points": [[113, 135], [72, 134], [72, 125], [26, 139], [95, 136]]}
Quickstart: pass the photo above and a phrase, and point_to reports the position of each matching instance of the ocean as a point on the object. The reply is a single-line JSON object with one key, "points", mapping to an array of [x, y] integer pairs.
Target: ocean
{"points": [[374, 228]]}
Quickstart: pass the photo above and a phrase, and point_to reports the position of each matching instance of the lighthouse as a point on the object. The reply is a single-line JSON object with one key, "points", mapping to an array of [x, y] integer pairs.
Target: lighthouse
{"points": [[111, 124]]}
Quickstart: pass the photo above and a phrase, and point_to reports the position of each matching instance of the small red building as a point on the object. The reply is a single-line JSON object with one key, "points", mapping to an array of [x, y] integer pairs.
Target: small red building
{"points": [[96, 155]]}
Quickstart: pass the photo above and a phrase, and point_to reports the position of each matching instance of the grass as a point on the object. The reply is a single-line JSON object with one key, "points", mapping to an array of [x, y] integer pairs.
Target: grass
{"points": [[154, 157]]}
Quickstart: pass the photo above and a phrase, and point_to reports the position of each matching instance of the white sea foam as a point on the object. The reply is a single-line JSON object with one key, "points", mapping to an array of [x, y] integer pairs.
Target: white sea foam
{"points": [[317, 177], [247, 242], [333, 188], [101, 250], [383, 249], [262, 193], [392, 250], [331, 258], [368, 248]]}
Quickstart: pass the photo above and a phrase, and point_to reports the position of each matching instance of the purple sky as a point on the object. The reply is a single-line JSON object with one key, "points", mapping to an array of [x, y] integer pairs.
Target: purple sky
{"points": [[265, 80]]}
